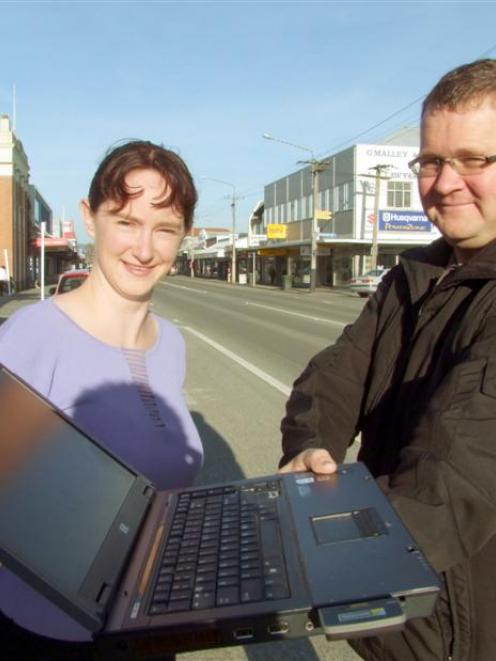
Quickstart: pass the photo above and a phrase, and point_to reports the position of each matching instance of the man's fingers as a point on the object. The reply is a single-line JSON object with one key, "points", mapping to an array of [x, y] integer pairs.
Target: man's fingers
{"points": [[320, 461], [317, 461]]}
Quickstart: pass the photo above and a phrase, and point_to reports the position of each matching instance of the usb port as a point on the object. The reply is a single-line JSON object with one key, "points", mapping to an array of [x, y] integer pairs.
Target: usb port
{"points": [[278, 628], [243, 634]]}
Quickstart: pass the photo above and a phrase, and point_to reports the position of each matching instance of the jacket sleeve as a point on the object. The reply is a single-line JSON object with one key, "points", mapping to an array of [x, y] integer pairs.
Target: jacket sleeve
{"points": [[323, 410], [444, 488]]}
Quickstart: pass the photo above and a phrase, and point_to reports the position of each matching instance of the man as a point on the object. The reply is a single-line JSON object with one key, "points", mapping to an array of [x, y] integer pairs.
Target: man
{"points": [[416, 374]]}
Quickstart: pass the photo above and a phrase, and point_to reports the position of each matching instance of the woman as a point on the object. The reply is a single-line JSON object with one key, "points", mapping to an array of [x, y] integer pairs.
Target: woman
{"points": [[102, 357]]}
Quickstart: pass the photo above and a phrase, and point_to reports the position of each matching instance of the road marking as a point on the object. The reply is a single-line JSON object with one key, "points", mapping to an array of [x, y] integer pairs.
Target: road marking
{"points": [[297, 314], [194, 291], [278, 385]]}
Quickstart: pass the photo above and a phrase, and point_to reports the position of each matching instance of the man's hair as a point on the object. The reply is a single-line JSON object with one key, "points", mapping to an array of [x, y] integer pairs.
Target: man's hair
{"points": [[467, 84], [108, 183]]}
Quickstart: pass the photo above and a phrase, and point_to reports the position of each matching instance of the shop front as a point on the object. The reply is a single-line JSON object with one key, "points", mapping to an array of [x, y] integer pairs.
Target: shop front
{"points": [[60, 256]]}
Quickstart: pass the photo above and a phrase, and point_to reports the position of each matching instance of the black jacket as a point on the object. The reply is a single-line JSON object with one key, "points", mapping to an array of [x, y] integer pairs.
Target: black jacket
{"points": [[416, 375]]}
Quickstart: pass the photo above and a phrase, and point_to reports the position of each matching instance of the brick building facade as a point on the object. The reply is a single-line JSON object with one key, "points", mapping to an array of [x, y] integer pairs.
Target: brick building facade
{"points": [[15, 206]]}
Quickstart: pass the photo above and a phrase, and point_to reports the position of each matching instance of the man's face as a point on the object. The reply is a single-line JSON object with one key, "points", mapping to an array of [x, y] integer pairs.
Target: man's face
{"points": [[463, 208]]}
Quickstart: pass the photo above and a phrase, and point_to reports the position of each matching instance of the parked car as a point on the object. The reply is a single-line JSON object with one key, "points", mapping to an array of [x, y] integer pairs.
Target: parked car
{"points": [[69, 280], [366, 284]]}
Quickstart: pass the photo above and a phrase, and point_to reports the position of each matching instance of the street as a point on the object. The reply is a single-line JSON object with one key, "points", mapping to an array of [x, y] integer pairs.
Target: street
{"points": [[245, 347]]}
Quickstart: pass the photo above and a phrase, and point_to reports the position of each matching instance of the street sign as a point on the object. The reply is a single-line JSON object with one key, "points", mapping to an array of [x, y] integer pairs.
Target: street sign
{"points": [[323, 214]]}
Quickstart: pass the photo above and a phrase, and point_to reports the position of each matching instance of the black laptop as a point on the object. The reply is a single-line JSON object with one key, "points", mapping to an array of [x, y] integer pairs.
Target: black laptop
{"points": [[251, 561]]}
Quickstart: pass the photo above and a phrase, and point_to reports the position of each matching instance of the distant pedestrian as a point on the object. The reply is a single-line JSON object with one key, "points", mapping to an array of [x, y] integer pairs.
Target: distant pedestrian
{"points": [[98, 353], [4, 281], [272, 274]]}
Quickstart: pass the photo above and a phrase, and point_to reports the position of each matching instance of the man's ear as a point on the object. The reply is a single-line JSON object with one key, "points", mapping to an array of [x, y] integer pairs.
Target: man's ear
{"points": [[89, 223]]}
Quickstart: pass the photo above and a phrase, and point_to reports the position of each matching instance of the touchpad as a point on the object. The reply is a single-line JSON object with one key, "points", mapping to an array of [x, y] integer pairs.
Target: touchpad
{"points": [[347, 526]]}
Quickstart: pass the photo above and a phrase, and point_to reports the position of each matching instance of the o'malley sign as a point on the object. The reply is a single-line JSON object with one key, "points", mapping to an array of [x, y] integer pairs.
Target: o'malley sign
{"points": [[401, 220]]}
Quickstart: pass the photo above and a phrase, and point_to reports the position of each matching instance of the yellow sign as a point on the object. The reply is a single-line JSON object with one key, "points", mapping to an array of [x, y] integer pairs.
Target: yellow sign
{"points": [[278, 231], [323, 214], [272, 252]]}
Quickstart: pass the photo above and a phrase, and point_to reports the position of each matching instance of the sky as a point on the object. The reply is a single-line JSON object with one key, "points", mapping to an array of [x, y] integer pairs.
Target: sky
{"points": [[208, 78]]}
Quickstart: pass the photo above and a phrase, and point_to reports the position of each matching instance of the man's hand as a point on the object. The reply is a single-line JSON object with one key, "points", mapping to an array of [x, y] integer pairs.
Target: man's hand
{"points": [[314, 460]]}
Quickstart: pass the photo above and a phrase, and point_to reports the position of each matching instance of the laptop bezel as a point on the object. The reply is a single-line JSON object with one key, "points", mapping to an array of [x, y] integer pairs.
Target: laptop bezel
{"points": [[90, 604]]}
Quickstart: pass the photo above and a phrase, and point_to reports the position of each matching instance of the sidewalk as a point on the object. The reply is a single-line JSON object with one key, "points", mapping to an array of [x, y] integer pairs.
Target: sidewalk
{"points": [[9, 304]]}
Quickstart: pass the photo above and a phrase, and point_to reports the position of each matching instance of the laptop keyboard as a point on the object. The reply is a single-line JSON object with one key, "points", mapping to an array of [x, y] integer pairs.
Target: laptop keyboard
{"points": [[224, 548]]}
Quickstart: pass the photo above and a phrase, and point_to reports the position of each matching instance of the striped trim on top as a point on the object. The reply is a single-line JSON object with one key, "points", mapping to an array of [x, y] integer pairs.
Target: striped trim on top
{"points": [[136, 360]]}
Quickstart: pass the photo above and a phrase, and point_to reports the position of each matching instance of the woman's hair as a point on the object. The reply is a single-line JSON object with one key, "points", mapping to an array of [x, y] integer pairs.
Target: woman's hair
{"points": [[469, 83], [108, 182]]}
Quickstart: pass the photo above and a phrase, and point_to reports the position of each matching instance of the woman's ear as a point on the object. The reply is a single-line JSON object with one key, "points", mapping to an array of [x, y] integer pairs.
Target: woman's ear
{"points": [[89, 223]]}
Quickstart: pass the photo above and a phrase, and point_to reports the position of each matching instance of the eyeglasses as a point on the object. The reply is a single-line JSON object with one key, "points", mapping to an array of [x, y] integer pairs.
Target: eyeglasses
{"points": [[431, 166]]}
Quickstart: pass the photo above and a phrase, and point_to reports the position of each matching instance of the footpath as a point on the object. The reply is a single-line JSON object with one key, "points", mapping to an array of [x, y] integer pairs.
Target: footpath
{"points": [[9, 304]]}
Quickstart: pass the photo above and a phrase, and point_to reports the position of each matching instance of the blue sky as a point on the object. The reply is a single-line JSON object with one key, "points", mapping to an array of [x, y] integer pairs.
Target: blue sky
{"points": [[208, 78]]}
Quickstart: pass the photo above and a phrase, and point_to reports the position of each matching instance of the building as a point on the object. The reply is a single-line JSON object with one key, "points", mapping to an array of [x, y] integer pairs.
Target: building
{"points": [[203, 252], [207, 252], [41, 212], [61, 252], [15, 206], [23, 211], [347, 193]]}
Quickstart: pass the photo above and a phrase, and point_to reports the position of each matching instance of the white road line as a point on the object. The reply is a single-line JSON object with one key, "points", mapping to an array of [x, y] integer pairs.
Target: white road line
{"points": [[297, 314], [278, 385], [191, 289]]}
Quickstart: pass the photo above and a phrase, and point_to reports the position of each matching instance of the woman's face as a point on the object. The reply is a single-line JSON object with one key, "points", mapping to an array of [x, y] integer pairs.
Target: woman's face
{"points": [[136, 246]]}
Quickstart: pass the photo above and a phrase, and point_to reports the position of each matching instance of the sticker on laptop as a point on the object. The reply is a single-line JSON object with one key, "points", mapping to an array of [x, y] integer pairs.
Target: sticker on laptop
{"points": [[308, 479]]}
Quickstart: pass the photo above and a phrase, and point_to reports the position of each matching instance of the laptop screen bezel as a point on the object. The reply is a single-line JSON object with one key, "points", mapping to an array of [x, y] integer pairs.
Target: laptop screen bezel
{"points": [[89, 605]]}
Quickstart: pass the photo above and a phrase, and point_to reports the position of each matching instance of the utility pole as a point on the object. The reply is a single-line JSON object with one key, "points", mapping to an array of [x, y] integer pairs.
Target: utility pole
{"points": [[42, 261], [316, 166], [233, 254], [374, 250], [233, 238]]}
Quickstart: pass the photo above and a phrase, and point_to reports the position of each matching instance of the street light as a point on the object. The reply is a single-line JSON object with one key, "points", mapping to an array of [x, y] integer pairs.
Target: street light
{"points": [[316, 167], [233, 207]]}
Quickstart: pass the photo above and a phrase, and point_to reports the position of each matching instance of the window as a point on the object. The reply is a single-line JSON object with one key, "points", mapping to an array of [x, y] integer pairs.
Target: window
{"points": [[303, 208], [399, 194], [346, 196], [322, 199], [292, 210]]}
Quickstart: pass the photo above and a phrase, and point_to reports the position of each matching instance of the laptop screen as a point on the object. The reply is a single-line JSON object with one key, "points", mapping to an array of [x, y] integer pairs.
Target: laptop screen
{"points": [[59, 492]]}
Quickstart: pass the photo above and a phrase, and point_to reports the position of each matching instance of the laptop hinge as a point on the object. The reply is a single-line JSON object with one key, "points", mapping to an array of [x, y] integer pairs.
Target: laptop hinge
{"points": [[362, 618]]}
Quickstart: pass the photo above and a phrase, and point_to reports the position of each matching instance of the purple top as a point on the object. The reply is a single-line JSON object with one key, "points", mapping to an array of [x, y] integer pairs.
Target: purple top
{"points": [[131, 401]]}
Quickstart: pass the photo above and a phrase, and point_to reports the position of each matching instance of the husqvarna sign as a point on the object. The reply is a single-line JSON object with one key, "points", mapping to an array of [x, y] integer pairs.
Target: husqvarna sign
{"points": [[402, 220]]}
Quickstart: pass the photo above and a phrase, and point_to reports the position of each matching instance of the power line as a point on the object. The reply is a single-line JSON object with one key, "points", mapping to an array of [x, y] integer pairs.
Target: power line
{"points": [[371, 128], [397, 112]]}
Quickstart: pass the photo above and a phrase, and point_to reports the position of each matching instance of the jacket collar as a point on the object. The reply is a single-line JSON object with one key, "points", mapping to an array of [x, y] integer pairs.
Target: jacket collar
{"points": [[423, 266]]}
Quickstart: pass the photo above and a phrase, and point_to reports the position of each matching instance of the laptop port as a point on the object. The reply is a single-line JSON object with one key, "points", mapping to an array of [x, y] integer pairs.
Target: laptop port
{"points": [[278, 628], [243, 634]]}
